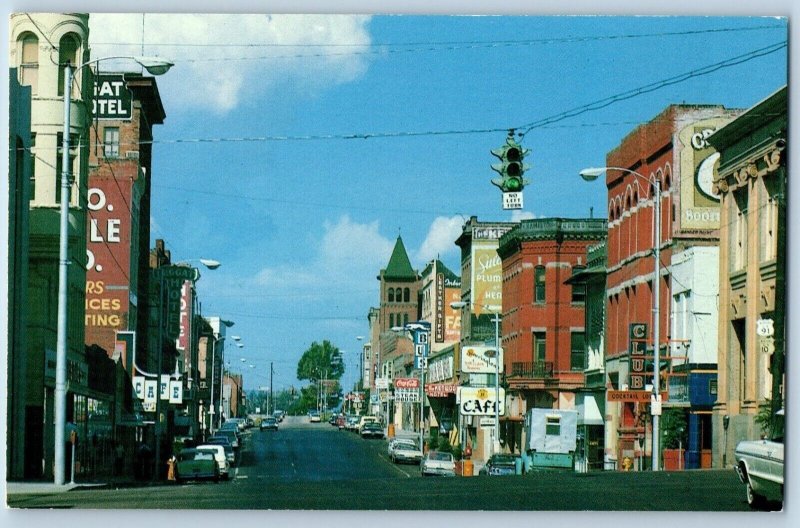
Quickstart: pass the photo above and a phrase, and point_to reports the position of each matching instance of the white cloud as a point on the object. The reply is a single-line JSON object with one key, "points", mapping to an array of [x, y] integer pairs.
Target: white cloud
{"points": [[348, 254], [219, 57], [441, 238], [518, 215]]}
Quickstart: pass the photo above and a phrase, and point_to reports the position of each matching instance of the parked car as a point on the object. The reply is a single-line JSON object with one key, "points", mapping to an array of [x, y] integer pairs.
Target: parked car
{"points": [[372, 430], [313, 416], [363, 420], [405, 450], [438, 463], [194, 463], [341, 421], [499, 464], [279, 415], [269, 423], [226, 445], [351, 423], [759, 465], [231, 435], [221, 457]]}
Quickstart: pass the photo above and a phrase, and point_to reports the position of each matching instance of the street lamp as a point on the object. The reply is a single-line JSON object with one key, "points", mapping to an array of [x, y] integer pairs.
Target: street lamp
{"points": [[589, 175], [495, 309], [154, 66]]}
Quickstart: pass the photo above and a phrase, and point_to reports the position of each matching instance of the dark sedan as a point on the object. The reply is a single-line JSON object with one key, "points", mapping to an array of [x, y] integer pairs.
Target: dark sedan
{"points": [[372, 430], [269, 423], [499, 464]]}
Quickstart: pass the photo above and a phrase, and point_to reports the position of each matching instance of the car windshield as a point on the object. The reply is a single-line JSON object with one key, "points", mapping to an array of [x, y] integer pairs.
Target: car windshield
{"points": [[441, 456], [503, 460], [406, 445]]}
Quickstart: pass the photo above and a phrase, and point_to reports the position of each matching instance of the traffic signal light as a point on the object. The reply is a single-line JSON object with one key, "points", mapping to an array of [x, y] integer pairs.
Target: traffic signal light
{"points": [[511, 167]]}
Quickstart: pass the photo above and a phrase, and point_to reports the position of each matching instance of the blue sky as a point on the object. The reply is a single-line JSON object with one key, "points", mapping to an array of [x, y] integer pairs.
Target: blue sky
{"points": [[256, 164]]}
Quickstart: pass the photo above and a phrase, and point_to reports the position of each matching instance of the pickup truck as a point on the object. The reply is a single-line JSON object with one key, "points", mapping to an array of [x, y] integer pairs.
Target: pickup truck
{"points": [[759, 465]]}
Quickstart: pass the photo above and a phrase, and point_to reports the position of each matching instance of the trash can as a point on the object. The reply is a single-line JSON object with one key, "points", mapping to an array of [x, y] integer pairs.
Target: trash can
{"points": [[390, 430], [467, 468]]}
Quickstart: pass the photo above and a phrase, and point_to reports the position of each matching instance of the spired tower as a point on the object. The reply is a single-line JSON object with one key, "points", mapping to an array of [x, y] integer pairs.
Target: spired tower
{"points": [[400, 285]]}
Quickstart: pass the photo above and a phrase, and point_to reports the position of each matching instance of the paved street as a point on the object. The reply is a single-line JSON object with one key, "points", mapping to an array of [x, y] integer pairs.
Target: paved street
{"points": [[317, 467]]}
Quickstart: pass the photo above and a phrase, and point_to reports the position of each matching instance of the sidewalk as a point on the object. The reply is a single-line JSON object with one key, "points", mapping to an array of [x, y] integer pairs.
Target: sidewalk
{"points": [[47, 487]]}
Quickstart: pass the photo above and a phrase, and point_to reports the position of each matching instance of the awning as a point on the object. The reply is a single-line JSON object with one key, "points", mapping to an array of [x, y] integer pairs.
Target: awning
{"points": [[588, 410], [584, 274]]}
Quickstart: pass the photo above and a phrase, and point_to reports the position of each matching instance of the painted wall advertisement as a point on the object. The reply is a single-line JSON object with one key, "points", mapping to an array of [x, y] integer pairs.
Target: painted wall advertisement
{"points": [[108, 269], [698, 164], [487, 278]]}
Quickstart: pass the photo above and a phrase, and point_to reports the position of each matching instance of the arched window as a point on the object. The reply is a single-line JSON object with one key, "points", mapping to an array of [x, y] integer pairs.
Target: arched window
{"points": [[391, 295], [406, 295], [67, 52], [29, 63]]}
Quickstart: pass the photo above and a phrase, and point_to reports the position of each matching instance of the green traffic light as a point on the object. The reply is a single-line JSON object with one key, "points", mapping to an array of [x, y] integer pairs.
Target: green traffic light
{"points": [[513, 185]]}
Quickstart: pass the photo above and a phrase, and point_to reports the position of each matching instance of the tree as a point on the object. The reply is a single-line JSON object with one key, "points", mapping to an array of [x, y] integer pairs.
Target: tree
{"points": [[320, 360]]}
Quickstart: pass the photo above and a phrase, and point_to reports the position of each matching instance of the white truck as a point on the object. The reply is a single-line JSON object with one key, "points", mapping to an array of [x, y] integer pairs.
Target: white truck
{"points": [[551, 437]]}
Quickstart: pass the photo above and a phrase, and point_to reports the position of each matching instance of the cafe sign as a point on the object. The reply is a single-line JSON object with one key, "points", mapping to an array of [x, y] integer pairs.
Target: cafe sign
{"points": [[481, 401]]}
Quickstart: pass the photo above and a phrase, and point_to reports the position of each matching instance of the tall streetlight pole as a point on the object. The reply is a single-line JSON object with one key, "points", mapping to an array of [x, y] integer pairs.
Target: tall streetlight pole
{"points": [[591, 174], [154, 66]]}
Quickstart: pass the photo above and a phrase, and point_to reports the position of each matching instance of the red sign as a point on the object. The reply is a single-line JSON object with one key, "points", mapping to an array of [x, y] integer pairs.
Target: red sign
{"points": [[440, 390], [406, 383]]}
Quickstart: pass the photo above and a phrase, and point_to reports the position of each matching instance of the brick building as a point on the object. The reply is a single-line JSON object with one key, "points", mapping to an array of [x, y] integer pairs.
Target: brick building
{"points": [[671, 151], [543, 335]]}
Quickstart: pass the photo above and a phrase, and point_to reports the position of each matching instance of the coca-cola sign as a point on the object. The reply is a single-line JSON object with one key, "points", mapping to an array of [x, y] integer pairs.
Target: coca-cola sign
{"points": [[406, 383]]}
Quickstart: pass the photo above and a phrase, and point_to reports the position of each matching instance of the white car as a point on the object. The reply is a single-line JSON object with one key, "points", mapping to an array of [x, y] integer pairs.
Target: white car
{"points": [[759, 464], [220, 457], [438, 463], [406, 451]]}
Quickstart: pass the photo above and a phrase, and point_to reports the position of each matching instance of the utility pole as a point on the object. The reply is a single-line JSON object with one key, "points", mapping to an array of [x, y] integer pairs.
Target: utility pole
{"points": [[271, 406]]}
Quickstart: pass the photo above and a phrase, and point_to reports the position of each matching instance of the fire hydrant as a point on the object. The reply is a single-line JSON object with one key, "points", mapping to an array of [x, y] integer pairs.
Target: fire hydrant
{"points": [[627, 464], [171, 468]]}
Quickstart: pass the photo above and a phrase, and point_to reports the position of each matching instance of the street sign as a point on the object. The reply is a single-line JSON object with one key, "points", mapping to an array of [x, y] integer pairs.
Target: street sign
{"points": [[767, 344], [512, 200], [765, 327]]}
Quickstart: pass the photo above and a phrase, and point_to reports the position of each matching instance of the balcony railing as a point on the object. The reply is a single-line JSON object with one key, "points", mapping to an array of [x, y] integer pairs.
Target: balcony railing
{"points": [[532, 369]]}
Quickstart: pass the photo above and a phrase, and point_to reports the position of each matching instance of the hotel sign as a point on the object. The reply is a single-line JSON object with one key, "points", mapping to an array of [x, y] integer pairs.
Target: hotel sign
{"points": [[112, 98]]}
